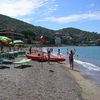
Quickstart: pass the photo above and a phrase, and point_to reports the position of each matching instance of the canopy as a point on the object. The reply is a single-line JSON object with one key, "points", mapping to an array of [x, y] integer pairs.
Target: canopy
{"points": [[4, 39], [17, 42]]}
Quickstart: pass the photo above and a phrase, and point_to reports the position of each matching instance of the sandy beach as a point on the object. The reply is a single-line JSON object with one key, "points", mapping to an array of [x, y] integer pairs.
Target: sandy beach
{"points": [[43, 81], [89, 90]]}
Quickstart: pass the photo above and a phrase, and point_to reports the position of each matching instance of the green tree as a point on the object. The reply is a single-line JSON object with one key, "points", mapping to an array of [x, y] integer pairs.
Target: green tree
{"points": [[30, 35]]}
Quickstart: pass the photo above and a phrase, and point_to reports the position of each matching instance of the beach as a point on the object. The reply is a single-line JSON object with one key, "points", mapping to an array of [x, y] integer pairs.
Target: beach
{"points": [[43, 81], [90, 91]]}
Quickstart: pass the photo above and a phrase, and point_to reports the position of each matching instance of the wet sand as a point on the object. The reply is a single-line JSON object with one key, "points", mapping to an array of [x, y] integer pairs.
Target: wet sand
{"points": [[90, 91], [42, 81]]}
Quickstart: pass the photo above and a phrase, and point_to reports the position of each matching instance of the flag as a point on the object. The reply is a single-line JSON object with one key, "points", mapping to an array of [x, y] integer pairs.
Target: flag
{"points": [[42, 40]]}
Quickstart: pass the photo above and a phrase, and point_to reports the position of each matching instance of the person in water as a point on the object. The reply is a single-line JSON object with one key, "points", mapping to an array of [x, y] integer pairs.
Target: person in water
{"points": [[59, 54], [71, 60]]}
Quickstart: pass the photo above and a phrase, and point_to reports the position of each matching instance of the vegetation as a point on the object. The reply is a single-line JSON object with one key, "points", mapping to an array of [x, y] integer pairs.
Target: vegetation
{"points": [[69, 36]]}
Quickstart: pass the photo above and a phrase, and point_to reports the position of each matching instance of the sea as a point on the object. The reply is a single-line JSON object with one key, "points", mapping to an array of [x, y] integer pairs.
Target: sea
{"points": [[86, 59]]}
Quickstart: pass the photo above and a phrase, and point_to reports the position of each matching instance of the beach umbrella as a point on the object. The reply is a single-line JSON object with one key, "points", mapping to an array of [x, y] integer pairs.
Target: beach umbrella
{"points": [[17, 42], [4, 39]]}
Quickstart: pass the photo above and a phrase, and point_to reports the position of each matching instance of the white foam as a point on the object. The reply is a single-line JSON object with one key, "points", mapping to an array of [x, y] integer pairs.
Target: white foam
{"points": [[53, 53], [87, 65], [56, 54]]}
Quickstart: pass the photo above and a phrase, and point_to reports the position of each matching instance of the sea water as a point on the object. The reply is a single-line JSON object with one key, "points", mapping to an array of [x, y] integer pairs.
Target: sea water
{"points": [[86, 58]]}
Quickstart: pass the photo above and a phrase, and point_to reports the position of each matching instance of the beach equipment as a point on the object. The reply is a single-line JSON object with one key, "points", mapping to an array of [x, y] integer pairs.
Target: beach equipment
{"points": [[1, 60], [4, 39], [12, 54], [17, 42], [22, 61], [45, 58]]}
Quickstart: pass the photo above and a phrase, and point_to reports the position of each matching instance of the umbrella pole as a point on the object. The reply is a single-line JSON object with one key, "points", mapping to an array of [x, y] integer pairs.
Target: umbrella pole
{"points": [[1, 47]]}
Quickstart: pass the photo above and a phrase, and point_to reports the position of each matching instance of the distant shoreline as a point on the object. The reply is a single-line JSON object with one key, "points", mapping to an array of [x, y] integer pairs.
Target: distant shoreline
{"points": [[41, 45]]}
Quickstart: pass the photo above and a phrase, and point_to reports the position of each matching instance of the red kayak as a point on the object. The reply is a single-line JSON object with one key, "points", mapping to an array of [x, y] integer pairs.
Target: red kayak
{"points": [[45, 58]]}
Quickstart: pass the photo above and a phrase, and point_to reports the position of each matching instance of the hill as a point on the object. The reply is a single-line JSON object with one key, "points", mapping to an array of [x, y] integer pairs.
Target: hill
{"points": [[77, 36], [18, 26], [69, 36]]}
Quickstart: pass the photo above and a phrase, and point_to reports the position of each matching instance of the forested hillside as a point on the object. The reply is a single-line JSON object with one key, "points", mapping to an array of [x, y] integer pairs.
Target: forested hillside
{"points": [[18, 26], [69, 36], [77, 36]]}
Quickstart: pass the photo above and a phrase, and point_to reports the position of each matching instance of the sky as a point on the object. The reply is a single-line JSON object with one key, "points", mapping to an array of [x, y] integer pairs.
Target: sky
{"points": [[55, 14]]}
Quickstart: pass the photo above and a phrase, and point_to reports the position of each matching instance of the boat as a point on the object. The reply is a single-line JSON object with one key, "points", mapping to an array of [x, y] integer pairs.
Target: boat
{"points": [[45, 58]]}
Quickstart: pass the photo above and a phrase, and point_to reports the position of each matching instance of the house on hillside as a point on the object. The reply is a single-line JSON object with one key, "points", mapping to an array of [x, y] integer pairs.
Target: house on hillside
{"points": [[11, 34]]}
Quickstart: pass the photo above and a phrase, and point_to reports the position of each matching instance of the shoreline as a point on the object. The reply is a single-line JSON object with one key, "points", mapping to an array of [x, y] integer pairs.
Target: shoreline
{"points": [[91, 74], [89, 90], [39, 45]]}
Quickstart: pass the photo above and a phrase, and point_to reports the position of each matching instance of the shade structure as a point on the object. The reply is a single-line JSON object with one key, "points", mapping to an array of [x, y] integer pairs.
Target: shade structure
{"points": [[4, 39], [17, 42]]}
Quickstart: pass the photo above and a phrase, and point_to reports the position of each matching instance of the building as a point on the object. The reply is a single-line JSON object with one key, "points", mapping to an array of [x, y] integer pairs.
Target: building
{"points": [[12, 35], [57, 41]]}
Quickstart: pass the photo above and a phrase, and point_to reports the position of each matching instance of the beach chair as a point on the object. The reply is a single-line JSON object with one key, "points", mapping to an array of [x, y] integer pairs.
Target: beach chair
{"points": [[22, 61], [1, 61], [5, 61]]}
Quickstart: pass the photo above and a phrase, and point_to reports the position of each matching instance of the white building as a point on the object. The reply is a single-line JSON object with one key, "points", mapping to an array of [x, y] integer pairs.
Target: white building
{"points": [[58, 41]]}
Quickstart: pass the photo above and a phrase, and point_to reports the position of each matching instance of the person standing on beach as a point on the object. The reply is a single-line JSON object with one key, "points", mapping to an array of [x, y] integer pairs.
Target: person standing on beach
{"points": [[71, 60], [48, 54], [30, 50]]}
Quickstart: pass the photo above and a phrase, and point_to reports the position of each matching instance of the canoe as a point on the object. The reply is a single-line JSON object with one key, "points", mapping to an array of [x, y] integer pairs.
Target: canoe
{"points": [[45, 58]]}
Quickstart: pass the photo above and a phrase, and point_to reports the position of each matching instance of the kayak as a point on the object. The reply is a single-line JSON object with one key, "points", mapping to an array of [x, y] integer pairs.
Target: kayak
{"points": [[45, 58]]}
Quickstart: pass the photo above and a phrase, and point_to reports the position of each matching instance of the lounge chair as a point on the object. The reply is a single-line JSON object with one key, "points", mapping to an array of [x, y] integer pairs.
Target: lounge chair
{"points": [[23, 61], [1, 60]]}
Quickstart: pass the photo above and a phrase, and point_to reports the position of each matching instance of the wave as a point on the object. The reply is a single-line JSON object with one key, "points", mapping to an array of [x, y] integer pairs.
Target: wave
{"points": [[56, 54], [88, 65], [53, 53]]}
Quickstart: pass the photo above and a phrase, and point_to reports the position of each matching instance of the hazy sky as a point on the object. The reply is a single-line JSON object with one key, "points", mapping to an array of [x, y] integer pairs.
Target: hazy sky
{"points": [[55, 14]]}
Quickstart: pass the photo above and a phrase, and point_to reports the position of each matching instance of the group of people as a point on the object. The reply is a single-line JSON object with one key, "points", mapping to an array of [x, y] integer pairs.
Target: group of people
{"points": [[70, 53], [71, 59]]}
